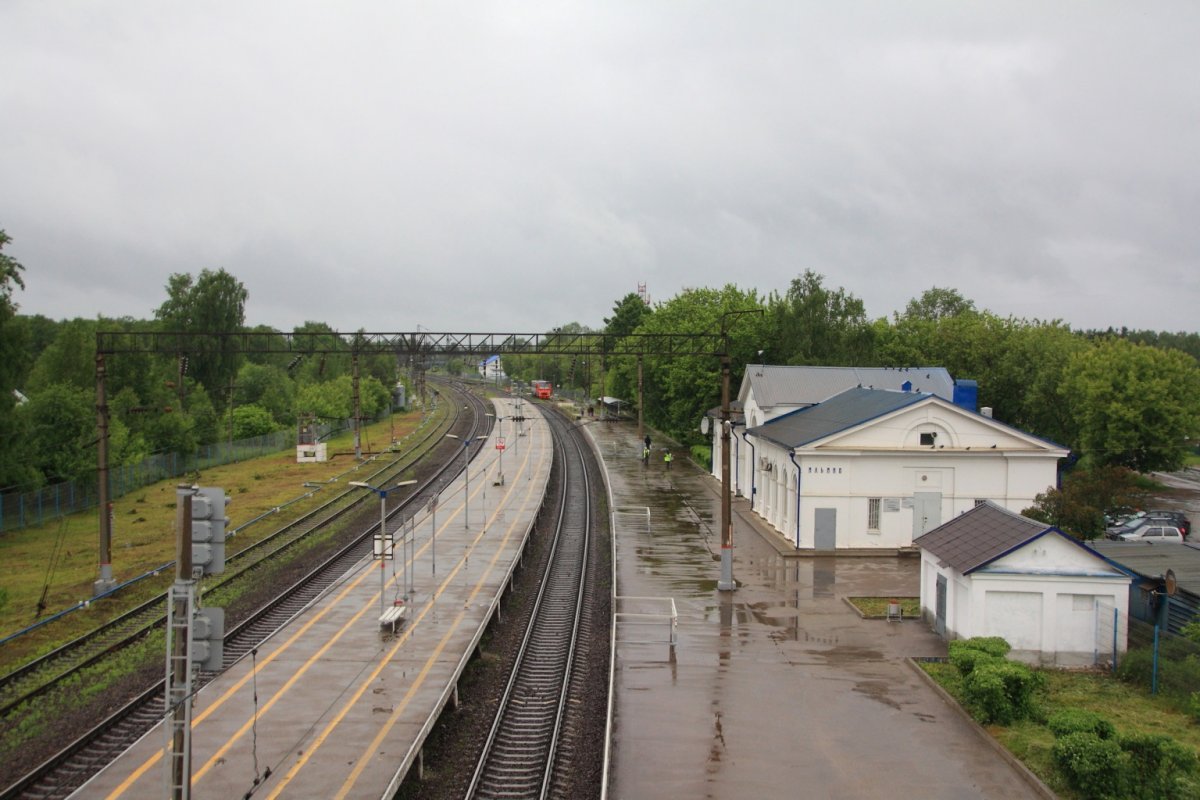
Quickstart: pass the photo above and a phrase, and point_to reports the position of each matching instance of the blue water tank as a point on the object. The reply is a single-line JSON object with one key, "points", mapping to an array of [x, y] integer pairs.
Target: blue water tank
{"points": [[966, 394]]}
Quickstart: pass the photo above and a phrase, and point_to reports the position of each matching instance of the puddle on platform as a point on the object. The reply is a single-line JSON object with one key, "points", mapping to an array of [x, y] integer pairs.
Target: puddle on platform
{"points": [[877, 690]]}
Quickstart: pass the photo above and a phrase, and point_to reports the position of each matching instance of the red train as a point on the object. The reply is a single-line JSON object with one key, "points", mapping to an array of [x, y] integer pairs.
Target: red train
{"points": [[541, 389]]}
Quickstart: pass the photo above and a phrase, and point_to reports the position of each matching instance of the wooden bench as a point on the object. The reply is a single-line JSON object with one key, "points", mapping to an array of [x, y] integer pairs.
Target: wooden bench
{"points": [[393, 616]]}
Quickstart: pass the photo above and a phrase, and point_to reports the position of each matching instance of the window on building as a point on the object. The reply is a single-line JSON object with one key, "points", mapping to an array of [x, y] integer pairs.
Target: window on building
{"points": [[979, 501], [873, 505], [927, 439]]}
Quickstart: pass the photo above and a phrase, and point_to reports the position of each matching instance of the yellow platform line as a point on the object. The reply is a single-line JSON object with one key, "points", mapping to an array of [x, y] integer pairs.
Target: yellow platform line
{"points": [[141, 770], [332, 725]]}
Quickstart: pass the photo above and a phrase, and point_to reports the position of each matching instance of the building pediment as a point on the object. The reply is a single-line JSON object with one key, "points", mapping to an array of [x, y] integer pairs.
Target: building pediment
{"points": [[878, 420]]}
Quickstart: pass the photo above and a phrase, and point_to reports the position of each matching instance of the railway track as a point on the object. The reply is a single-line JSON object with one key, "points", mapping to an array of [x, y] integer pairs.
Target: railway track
{"points": [[519, 758], [69, 768], [42, 674]]}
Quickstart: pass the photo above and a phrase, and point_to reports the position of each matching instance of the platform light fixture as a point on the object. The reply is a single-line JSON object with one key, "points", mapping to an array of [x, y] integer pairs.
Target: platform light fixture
{"points": [[466, 442], [384, 546]]}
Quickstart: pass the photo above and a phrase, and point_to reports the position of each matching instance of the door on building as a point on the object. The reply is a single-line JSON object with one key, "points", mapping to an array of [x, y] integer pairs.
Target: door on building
{"points": [[927, 512], [939, 621], [825, 528]]}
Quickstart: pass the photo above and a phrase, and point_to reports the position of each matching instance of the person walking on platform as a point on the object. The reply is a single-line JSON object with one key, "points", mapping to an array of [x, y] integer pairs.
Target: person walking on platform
{"points": [[645, 455], [668, 458]]}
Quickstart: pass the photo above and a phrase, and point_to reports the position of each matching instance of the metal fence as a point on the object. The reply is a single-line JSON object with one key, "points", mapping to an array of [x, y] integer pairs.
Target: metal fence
{"points": [[1108, 630], [25, 509], [1162, 662]]}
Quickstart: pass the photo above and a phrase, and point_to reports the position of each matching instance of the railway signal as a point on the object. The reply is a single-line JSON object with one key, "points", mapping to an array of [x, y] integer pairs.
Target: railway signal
{"points": [[208, 638], [208, 530], [195, 637]]}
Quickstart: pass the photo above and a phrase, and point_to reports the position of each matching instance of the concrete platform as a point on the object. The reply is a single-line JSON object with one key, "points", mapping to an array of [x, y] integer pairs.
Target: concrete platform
{"points": [[342, 703], [777, 689]]}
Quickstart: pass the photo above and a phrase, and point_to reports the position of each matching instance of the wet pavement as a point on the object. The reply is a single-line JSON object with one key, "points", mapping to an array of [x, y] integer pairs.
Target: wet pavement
{"points": [[778, 689]]}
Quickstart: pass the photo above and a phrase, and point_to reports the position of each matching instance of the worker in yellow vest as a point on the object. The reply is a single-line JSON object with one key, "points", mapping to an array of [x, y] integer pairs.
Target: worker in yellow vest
{"points": [[668, 458]]}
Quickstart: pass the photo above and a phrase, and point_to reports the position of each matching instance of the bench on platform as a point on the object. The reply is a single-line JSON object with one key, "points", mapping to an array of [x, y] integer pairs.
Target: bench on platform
{"points": [[393, 616]]}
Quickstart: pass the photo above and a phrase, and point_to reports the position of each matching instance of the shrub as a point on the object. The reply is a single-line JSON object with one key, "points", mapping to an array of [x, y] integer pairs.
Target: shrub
{"points": [[966, 659], [1157, 763], [1000, 691], [702, 455], [1136, 666], [1097, 768], [1178, 669], [966, 654], [1193, 705], [1077, 720], [994, 645]]}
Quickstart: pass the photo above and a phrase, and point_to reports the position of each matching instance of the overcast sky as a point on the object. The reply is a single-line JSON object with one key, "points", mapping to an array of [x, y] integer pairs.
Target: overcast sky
{"points": [[515, 166]]}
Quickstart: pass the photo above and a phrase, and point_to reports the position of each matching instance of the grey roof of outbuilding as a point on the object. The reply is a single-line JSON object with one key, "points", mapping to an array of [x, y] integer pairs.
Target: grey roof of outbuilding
{"points": [[848, 409], [979, 536], [800, 386], [1153, 560]]}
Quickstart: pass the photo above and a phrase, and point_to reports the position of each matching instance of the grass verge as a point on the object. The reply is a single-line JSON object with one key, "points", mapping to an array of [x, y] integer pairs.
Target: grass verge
{"points": [[876, 607], [1127, 707], [52, 567]]}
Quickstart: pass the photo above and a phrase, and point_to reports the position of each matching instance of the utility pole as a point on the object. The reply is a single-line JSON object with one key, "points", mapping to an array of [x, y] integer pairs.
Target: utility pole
{"points": [[357, 412], [726, 583], [105, 580], [641, 427]]}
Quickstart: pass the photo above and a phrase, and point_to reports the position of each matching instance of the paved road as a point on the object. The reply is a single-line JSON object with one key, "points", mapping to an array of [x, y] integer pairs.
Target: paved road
{"points": [[778, 689]]}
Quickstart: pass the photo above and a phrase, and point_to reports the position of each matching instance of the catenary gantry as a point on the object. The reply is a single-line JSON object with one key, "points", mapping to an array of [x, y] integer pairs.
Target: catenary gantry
{"points": [[421, 344]]}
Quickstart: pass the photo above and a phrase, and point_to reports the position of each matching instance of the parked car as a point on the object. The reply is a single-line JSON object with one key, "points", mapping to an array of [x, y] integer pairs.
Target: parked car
{"points": [[1154, 533], [1175, 518]]}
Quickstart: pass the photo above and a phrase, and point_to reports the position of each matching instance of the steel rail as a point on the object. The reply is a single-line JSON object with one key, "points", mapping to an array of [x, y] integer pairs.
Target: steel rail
{"points": [[518, 756], [63, 773], [110, 637]]}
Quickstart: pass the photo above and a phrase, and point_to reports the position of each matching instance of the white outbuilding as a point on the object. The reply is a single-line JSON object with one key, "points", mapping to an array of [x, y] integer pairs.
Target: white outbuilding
{"points": [[990, 572], [874, 469]]}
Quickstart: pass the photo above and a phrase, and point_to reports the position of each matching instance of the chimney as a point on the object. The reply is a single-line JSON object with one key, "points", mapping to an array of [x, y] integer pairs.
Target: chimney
{"points": [[986, 411]]}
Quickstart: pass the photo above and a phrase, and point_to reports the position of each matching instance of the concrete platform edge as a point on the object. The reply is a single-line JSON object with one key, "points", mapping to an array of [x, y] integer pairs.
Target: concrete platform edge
{"points": [[1035, 783]]}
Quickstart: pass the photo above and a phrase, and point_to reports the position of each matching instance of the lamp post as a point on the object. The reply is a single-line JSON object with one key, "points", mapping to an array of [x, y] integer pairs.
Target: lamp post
{"points": [[500, 444], [466, 476], [384, 551]]}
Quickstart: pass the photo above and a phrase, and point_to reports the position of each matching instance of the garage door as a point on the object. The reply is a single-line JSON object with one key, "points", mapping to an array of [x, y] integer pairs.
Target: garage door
{"points": [[1017, 616]]}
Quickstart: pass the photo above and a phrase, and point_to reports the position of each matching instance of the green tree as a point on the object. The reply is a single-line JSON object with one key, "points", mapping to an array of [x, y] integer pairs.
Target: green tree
{"points": [[172, 432], [628, 313], [815, 325], [15, 470], [34, 333], [1133, 405], [1024, 383], [69, 359], [329, 400], [679, 390], [269, 387], [313, 367], [62, 432], [252, 420], [214, 303], [1079, 506], [969, 345], [937, 304]]}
